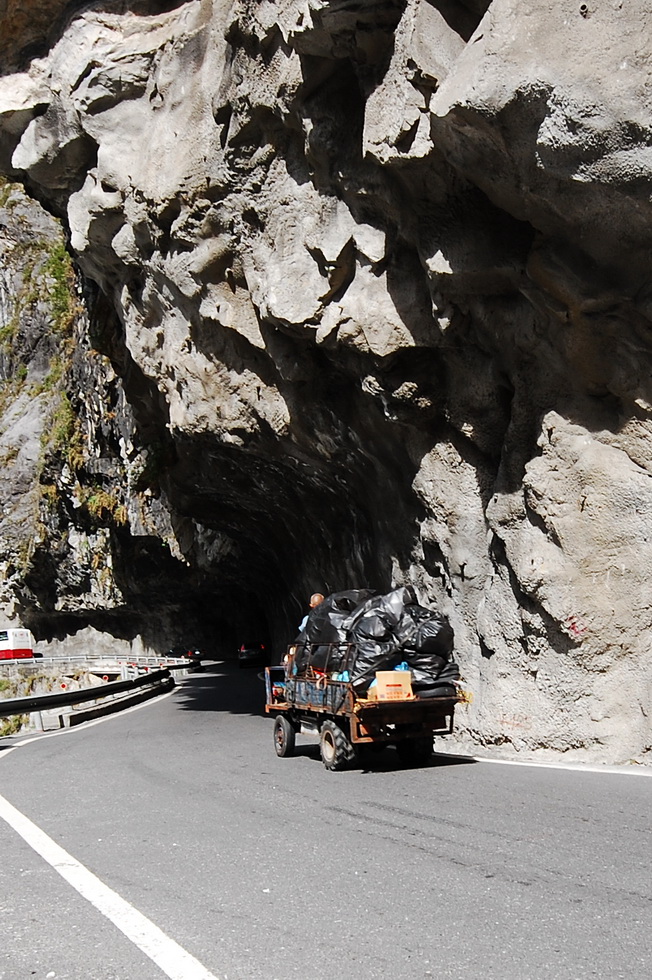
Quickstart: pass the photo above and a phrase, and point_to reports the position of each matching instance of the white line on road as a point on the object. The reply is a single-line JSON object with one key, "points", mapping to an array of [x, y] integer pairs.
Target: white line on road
{"points": [[174, 961], [62, 732], [568, 766]]}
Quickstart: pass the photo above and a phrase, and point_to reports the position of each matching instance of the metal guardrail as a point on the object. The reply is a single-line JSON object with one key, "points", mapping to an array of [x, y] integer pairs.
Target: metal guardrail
{"points": [[171, 663], [43, 702]]}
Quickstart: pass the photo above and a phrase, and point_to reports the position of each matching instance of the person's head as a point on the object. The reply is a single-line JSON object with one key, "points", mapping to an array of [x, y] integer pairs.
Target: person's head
{"points": [[315, 599]]}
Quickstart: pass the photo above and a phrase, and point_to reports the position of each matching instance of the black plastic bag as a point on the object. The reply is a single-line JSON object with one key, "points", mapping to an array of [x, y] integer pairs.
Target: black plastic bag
{"points": [[426, 632], [373, 628], [384, 631], [325, 625], [424, 672], [442, 685], [388, 607]]}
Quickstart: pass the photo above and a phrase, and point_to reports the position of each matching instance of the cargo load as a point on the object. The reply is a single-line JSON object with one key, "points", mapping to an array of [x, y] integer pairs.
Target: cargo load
{"points": [[385, 631]]}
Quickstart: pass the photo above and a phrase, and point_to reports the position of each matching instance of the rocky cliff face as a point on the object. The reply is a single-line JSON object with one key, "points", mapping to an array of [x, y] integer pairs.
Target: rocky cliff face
{"points": [[370, 289]]}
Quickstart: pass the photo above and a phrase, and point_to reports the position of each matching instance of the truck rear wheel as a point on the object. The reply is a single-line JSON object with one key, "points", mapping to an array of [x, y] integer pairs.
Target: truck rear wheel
{"points": [[284, 737], [337, 752], [415, 751]]}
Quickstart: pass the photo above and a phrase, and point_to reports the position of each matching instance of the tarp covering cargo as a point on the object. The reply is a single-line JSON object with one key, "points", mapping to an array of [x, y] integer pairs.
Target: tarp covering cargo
{"points": [[386, 631]]}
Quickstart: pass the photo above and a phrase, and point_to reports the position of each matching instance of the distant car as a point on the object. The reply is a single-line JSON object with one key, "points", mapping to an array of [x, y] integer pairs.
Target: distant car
{"points": [[253, 655], [184, 652]]}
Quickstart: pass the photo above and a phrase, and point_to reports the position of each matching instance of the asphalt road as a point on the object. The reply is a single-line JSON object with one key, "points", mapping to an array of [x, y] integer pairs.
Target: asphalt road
{"points": [[274, 869]]}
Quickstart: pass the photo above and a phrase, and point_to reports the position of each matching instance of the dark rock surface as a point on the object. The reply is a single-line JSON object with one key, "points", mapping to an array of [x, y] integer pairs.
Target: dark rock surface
{"points": [[370, 290]]}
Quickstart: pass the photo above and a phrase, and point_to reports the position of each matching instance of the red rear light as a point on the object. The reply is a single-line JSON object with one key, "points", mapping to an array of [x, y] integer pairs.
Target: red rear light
{"points": [[242, 648], [262, 646]]}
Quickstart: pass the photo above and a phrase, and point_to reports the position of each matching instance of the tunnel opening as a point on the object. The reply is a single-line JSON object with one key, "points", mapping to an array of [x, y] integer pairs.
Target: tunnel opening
{"points": [[165, 605]]}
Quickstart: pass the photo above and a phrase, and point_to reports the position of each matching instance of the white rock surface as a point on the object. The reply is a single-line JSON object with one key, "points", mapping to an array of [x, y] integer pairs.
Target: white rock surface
{"points": [[381, 272]]}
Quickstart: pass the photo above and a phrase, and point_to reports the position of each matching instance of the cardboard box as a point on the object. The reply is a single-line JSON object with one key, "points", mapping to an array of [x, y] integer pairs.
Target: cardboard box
{"points": [[393, 685]]}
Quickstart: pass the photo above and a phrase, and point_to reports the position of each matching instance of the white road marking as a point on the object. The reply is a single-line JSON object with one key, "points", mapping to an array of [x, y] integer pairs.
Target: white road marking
{"points": [[86, 724], [174, 961], [570, 766]]}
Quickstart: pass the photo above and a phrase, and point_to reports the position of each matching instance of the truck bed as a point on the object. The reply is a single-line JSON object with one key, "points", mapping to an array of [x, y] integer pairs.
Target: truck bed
{"points": [[312, 698]]}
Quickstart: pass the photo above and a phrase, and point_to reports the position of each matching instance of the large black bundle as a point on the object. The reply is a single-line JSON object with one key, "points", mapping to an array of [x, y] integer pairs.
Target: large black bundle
{"points": [[386, 630], [387, 608], [440, 684], [425, 634], [374, 629], [325, 625], [394, 628], [427, 646]]}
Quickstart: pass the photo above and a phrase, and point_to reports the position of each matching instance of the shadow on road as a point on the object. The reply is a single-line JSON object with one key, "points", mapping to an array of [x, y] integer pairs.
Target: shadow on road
{"points": [[386, 760], [223, 686], [389, 761]]}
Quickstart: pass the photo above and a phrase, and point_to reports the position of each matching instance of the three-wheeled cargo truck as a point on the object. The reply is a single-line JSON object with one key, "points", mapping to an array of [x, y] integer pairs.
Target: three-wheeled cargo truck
{"points": [[327, 703]]}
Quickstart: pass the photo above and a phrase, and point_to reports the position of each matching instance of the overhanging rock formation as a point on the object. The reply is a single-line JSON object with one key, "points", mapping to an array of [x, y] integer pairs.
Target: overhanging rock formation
{"points": [[373, 285]]}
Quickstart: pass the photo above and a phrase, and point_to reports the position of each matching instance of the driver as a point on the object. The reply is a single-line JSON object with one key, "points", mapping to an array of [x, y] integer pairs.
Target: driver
{"points": [[315, 599]]}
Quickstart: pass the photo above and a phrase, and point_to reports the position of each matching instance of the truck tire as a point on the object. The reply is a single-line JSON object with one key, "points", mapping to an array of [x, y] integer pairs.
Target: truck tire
{"points": [[415, 751], [284, 737], [337, 752]]}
